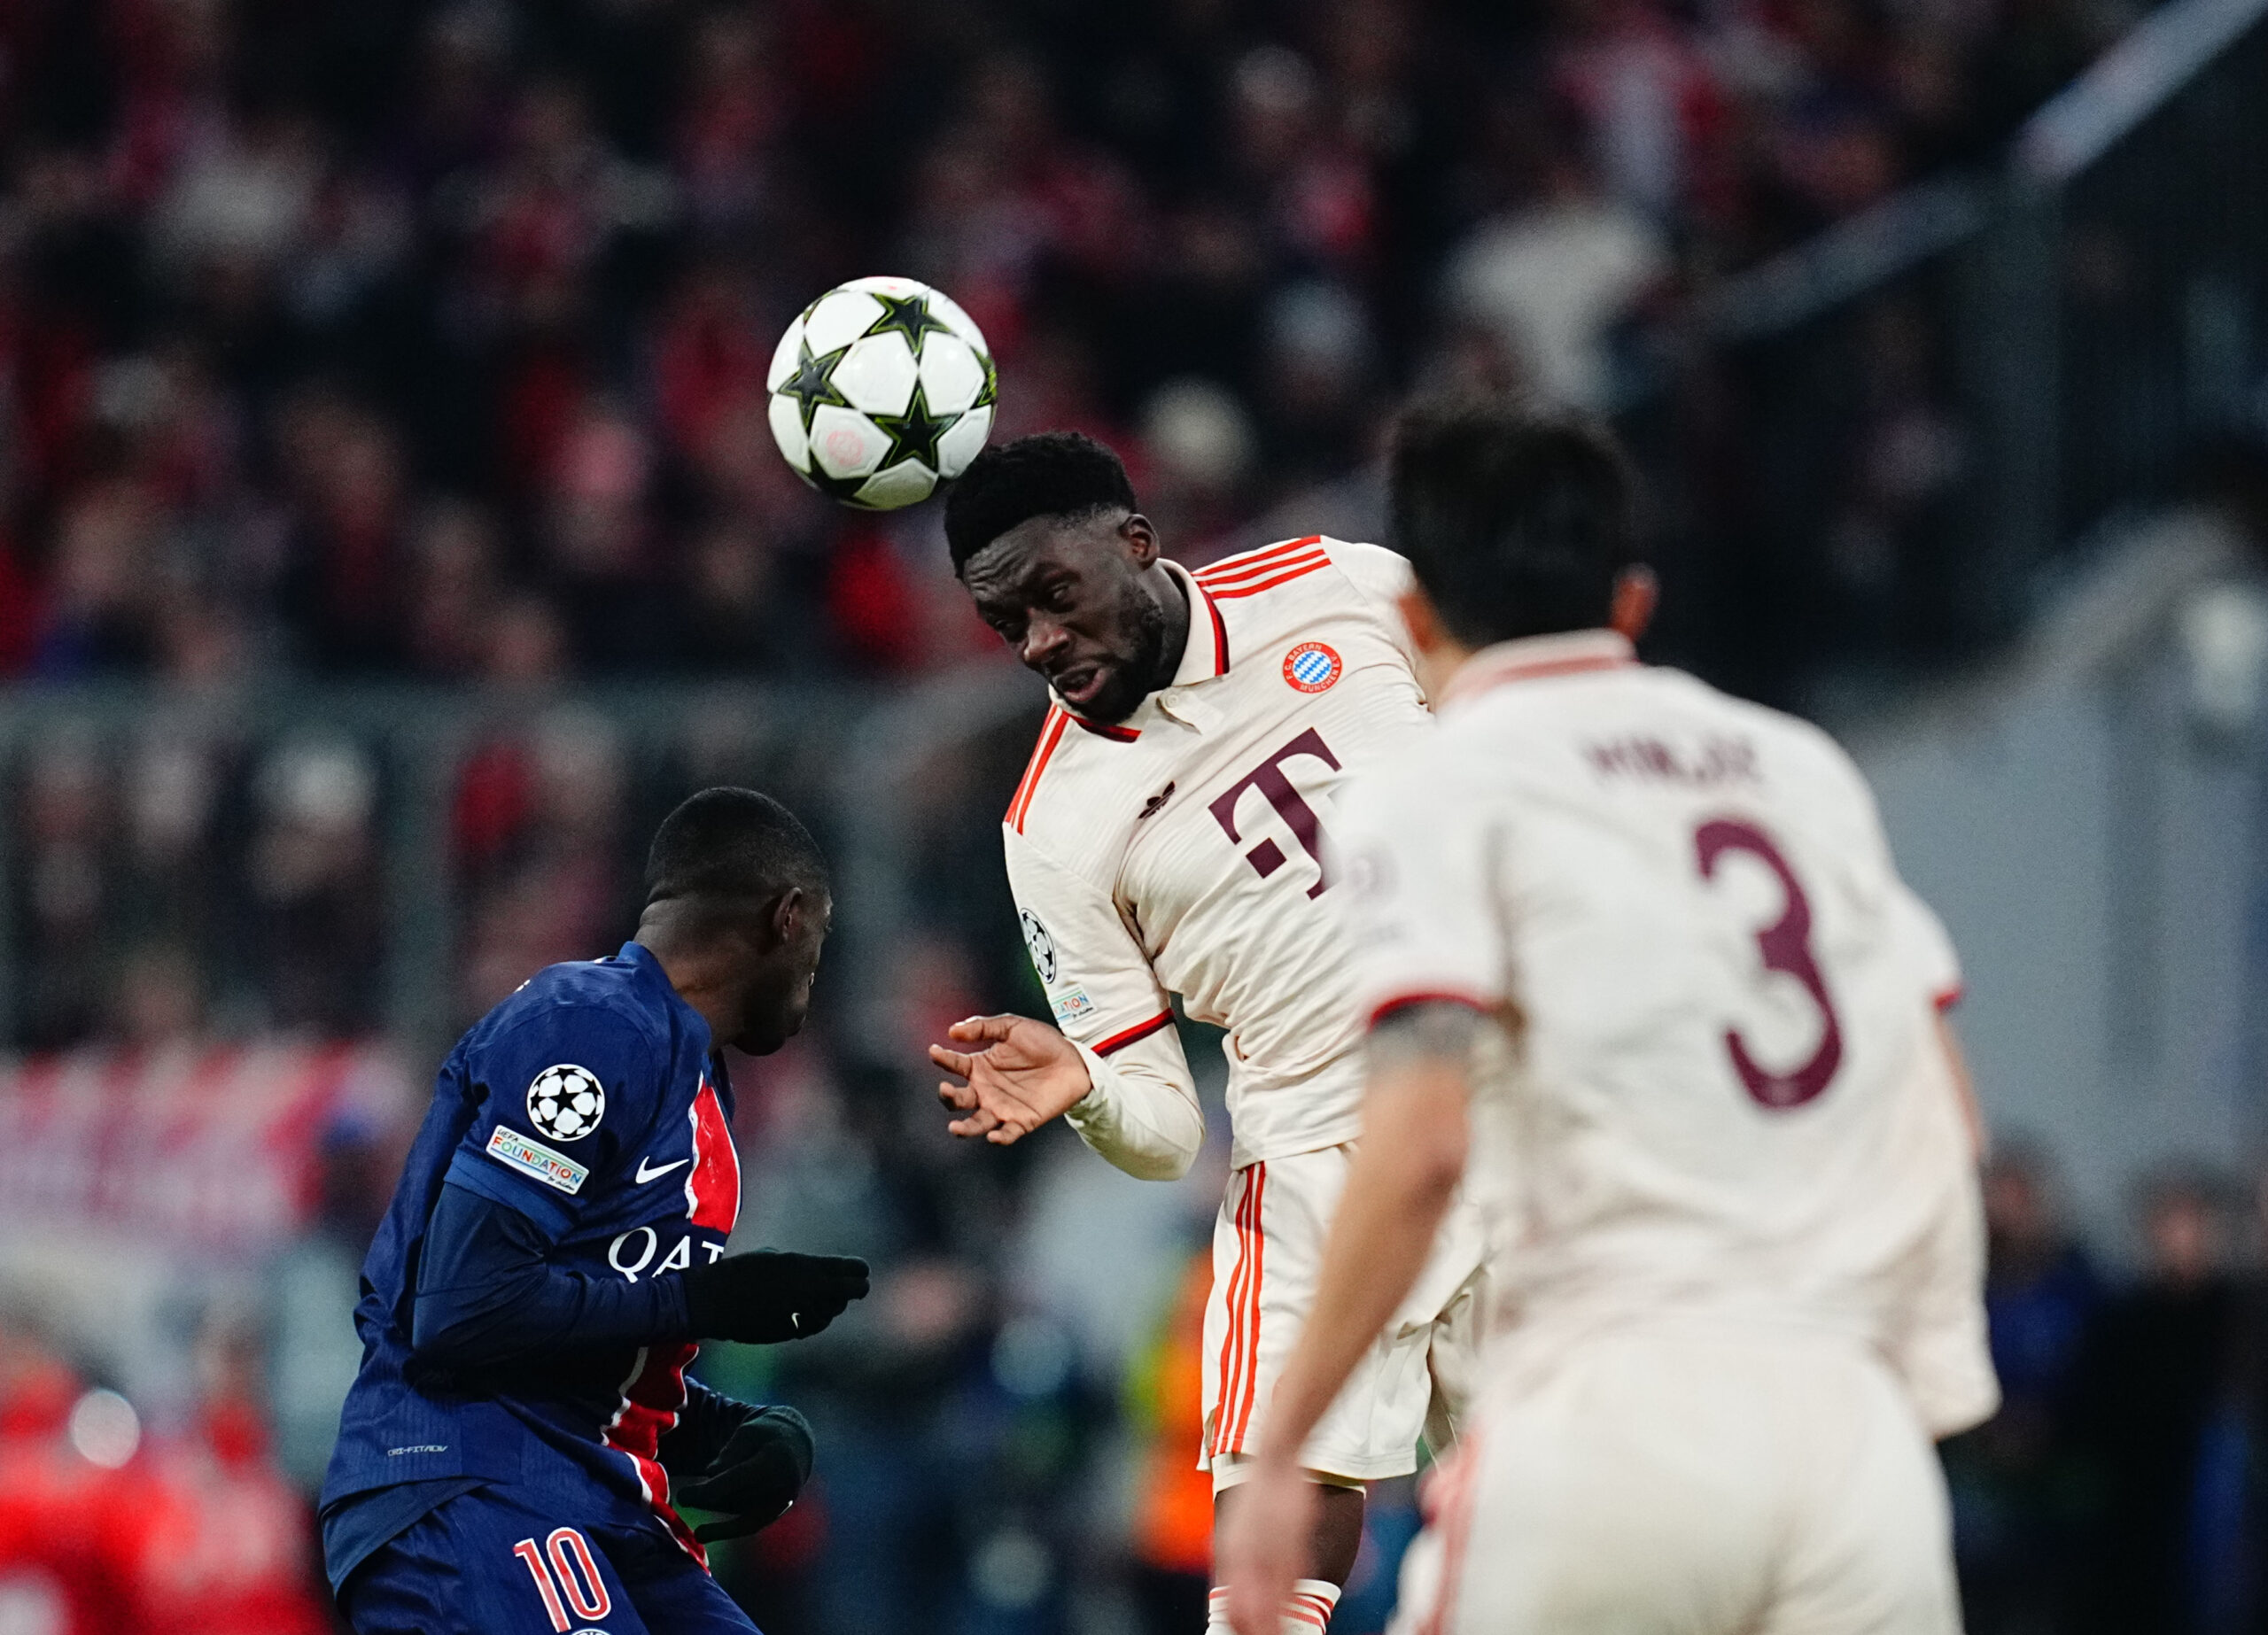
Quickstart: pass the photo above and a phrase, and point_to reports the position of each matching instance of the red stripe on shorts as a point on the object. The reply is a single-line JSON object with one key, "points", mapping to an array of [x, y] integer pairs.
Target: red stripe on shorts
{"points": [[1232, 1341]]}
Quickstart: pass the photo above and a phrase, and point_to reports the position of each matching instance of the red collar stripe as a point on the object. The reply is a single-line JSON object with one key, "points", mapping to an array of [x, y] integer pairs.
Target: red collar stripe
{"points": [[1253, 563], [1104, 729], [1220, 634], [1558, 667], [1140, 1030], [1298, 567], [1535, 669], [1051, 734], [1386, 1008]]}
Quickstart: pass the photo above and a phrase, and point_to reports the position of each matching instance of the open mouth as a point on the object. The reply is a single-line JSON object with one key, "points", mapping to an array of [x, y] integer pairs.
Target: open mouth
{"points": [[1078, 686]]}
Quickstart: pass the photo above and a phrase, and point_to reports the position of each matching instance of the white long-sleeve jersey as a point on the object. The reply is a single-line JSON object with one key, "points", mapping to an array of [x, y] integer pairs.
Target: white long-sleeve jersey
{"points": [[1179, 852], [1725, 1095]]}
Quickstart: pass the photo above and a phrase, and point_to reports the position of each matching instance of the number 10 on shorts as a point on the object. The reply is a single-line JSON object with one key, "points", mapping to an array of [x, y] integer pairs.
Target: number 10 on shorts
{"points": [[572, 1573]]}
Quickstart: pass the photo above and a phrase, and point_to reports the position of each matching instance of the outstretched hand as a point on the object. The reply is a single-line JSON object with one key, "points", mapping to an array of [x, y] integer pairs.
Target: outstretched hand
{"points": [[1020, 1074]]}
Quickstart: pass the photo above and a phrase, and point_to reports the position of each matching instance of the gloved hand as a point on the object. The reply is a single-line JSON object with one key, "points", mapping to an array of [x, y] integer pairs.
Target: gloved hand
{"points": [[755, 1476], [766, 1297]]}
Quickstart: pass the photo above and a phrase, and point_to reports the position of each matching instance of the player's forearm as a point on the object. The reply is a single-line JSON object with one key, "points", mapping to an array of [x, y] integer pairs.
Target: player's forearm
{"points": [[488, 1296], [1142, 1113], [1399, 1189]]}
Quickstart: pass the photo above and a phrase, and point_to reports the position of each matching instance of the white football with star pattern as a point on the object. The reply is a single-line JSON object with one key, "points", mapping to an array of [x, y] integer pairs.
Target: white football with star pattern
{"points": [[881, 389]]}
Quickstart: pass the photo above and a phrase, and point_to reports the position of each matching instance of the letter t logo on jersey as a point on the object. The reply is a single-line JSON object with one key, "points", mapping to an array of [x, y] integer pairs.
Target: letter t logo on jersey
{"points": [[1269, 779]]}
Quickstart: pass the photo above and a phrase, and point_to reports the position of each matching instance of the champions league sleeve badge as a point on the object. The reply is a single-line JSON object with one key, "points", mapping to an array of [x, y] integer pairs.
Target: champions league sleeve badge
{"points": [[566, 1102], [1041, 944]]}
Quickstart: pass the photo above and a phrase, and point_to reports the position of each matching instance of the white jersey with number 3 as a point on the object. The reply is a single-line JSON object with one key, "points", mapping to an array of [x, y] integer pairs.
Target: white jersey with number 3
{"points": [[1724, 1094]]}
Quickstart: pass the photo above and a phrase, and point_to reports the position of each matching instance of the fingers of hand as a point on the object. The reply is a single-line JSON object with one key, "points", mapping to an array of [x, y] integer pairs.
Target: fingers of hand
{"points": [[982, 1122], [953, 1061], [833, 1279], [982, 1030], [959, 1097]]}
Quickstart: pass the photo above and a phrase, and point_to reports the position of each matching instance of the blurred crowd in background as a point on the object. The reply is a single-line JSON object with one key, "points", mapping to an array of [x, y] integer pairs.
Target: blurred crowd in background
{"points": [[375, 343], [2116, 1489], [431, 338]]}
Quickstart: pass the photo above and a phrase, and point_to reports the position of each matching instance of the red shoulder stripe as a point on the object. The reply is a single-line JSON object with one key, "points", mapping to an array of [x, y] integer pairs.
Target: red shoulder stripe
{"points": [[1051, 734], [1242, 561], [1249, 562], [1233, 583], [1293, 571]]}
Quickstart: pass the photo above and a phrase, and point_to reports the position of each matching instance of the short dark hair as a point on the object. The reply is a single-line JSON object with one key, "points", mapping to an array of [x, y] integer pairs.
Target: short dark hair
{"points": [[1517, 517], [1048, 474], [728, 842]]}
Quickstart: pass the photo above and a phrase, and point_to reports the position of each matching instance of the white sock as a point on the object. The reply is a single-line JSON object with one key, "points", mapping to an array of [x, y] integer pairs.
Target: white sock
{"points": [[1306, 1613]]}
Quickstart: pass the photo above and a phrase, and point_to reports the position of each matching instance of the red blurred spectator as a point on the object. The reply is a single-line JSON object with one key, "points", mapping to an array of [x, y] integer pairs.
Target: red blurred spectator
{"points": [[104, 1531]]}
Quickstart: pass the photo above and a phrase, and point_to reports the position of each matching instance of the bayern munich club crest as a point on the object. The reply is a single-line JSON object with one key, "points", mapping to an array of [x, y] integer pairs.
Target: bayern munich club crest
{"points": [[566, 1102], [1312, 667]]}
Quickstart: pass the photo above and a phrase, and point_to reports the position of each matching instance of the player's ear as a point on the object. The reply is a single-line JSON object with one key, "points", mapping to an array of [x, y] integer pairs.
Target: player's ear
{"points": [[785, 916], [1420, 618], [1637, 594], [1141, 537], [1438, 652]]}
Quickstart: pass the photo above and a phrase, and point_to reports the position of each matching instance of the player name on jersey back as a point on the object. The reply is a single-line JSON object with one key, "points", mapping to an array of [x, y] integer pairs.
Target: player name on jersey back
{"points": [[1183, 850], [1723, 1091]]}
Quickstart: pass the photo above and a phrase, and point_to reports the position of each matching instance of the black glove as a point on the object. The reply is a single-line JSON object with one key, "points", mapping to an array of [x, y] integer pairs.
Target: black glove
{"points": [[755, 1476], [767, 1296]]}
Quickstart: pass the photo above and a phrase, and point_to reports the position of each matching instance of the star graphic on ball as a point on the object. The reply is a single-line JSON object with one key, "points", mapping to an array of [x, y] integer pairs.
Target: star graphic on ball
{"points": [[813, 382], [914, 434], [566, 1102], [910, 316]]}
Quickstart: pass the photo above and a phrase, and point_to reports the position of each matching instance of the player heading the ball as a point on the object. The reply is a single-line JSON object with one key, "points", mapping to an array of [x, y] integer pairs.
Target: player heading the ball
{"points": [[511, 1456], [1171, 837]]}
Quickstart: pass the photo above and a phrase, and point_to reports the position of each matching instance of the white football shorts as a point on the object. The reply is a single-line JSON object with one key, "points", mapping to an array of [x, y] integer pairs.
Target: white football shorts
{"points": [[1766, 1485], [1419, 1374]]}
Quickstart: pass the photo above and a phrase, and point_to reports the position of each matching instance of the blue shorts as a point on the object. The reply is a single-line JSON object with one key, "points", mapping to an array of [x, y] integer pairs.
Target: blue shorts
{"points": [[492, 1562]]}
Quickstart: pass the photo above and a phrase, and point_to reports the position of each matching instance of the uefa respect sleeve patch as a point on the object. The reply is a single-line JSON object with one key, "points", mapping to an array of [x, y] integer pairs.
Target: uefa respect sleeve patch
{"points": [[556, 1170]]}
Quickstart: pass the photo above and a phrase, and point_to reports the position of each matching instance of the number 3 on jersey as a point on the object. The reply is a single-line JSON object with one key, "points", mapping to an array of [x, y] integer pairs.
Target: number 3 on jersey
{"points": [[1786, 947]]}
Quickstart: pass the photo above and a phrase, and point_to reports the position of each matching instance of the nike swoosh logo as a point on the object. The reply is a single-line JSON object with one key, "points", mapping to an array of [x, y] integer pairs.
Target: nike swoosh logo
{"points": [[646, 1175]]}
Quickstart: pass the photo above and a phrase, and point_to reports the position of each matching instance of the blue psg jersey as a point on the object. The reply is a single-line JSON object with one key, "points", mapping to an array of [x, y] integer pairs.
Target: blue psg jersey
{"points": [[589, 1101]]}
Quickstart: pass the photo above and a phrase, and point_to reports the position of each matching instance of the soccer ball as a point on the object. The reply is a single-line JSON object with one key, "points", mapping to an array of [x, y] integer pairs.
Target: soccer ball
{"points": [[882, 389], [566, 1102]]}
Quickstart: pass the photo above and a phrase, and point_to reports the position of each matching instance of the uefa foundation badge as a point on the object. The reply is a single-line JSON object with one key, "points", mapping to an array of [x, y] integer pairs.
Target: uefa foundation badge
{"points": [[1312, 667]]}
